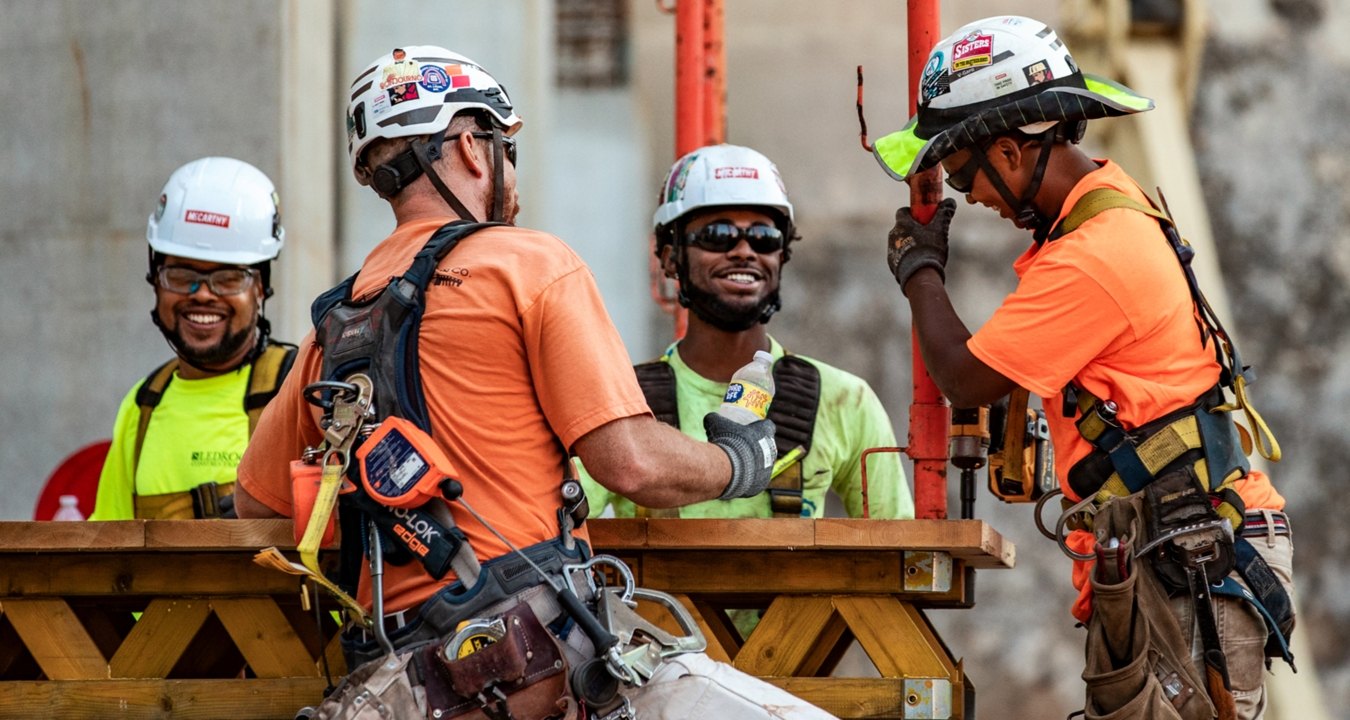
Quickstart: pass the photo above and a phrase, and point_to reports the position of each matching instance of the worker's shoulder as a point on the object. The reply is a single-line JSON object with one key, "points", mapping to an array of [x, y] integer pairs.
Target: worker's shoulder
{"points": [[836, 382], [524, 242]]}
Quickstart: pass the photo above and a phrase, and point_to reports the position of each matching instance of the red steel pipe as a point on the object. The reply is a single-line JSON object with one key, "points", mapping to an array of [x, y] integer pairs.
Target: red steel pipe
{"points": [[930, 416], [714, 74]]}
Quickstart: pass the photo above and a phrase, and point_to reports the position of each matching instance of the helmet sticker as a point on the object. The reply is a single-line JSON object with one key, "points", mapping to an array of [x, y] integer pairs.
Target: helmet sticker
{"points": [[735, 173], [379, 105], [457, 77], [678, 176], [206, 217], [399, 72], [434, 79], [975, 50], [1038, 72], [159, 209], [1003, 84], [403, 93], [929, 85]]}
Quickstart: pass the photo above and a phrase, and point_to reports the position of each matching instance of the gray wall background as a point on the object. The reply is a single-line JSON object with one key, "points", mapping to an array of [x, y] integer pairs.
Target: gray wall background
{"points": [[105, 99]]}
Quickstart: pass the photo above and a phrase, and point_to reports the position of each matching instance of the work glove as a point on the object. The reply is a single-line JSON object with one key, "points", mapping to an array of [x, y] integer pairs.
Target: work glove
{"points": [[913, 246], [752, 451]]}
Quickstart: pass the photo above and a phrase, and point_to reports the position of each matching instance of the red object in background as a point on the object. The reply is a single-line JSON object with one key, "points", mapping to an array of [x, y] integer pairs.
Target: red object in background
{"points": [[76, 475], [930, 416]]}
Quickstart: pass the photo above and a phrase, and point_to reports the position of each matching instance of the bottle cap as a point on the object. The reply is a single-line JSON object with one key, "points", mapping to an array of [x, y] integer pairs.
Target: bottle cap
{"points": [[764, 355]]}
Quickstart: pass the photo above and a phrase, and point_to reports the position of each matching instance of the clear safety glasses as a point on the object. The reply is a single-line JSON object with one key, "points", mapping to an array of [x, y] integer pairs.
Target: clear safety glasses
{"points": [[222, 282]]}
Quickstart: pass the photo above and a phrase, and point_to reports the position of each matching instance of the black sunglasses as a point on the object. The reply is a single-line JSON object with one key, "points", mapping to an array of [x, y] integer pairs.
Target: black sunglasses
{"points": [[508, 144], [723, 236], [963, 180]]}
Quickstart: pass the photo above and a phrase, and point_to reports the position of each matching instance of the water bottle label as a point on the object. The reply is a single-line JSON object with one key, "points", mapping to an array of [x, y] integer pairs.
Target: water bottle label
{"points": [[749, 396]]}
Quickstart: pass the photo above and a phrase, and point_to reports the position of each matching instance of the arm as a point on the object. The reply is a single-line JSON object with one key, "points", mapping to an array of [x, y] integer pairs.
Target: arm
{"points": [[963, 378], [653, 464], [246, 506], [117, 481]]}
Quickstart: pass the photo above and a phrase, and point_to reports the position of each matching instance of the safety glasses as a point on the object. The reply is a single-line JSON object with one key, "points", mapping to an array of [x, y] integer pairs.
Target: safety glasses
{"points": [[723, 236], [508, 144], [963, 180], [222, 282]]}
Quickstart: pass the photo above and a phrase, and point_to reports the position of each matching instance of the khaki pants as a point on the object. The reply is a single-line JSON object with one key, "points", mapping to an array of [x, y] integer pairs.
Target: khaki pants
{"points": [[1242, 632], [696, 686]]}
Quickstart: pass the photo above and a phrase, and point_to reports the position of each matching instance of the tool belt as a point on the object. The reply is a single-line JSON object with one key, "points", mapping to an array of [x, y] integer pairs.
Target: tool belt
{"points": [[503, 582], [200, 503]]}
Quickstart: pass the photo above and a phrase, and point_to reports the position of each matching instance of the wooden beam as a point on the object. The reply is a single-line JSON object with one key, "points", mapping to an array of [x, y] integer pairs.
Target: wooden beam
{"points": [[158, 640], [793, 638], [772, 571], [104, 574], [849, 697], [237, 699], [265, 638], [55, 638], [896, 637]]}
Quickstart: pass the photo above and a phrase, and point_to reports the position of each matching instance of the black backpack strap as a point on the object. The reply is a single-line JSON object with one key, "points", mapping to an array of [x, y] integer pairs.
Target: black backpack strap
{"points": [[657, 380], [796, 399], [147, 398], [265, 376], [438, 246]]}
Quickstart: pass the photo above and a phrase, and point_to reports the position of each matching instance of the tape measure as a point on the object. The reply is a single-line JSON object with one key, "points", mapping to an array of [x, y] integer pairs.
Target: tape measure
{"points": [[471, 636]]}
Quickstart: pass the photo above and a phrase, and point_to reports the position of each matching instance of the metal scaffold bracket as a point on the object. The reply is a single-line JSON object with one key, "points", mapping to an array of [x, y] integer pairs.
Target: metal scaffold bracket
{"points": [[928, 699], [928, 571]]}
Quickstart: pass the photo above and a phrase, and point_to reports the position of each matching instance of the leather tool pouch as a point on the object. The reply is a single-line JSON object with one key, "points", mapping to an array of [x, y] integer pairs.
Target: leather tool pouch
{"points": [[524, 673], [1172, 503]]}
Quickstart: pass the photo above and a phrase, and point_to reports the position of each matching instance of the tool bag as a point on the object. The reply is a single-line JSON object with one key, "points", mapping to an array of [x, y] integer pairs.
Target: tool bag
{"points": [[522, 675], [1138, 660]]}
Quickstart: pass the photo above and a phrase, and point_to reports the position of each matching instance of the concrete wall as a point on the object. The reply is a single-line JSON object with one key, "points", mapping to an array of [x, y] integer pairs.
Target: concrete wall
{"points": [[104, 100]]}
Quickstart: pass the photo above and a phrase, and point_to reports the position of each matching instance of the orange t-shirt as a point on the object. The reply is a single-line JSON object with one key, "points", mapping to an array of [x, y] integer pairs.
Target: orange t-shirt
{"points": [[1107, 307], [519, 360]]}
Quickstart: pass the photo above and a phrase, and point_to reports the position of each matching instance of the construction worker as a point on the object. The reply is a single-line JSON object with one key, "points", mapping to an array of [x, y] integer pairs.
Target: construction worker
{"points": [[724, 231], [180, 431], [1108, 327], [510, 363]]}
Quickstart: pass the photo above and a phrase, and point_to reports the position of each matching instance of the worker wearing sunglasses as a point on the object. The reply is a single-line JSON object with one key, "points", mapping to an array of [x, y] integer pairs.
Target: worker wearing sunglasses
{"points": [[724, 230]]}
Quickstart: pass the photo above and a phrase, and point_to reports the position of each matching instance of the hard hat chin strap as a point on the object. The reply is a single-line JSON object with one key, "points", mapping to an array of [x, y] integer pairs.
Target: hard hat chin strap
{"points": [[428, 152], [1024, 208]]}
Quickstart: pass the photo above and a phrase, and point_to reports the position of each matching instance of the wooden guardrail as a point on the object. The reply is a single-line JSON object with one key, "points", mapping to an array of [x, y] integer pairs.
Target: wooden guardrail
{"points": [[172, 619]]}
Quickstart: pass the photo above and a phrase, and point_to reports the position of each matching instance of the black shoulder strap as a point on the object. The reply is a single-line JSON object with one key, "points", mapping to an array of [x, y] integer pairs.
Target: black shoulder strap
{"points": [[657, 379], [438, 246], [796, 398], [147, 398], [265, 376]]}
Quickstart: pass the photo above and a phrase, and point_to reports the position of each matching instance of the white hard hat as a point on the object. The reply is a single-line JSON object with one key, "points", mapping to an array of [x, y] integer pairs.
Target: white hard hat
{"points": [[217, 209], [721, 176], [416, 90], [992, 76]]}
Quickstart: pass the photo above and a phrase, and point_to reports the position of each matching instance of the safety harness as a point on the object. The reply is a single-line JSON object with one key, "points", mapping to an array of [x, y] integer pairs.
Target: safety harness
{"points": [[793, 412], [1185, 464], [464, 646], [265, 375]]}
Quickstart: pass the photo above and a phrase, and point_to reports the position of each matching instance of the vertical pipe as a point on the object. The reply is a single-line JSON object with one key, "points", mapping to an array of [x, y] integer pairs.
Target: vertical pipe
{"points": [[689, 69], [714, 74], [690, 91], [929, 415]]}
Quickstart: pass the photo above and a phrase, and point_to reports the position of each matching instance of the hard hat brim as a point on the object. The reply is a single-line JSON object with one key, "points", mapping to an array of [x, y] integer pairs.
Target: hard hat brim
{"points": [[905, 153]]}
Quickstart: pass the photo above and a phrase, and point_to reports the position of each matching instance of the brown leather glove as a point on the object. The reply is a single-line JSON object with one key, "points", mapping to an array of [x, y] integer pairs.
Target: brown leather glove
{"points": [[912, 246]]}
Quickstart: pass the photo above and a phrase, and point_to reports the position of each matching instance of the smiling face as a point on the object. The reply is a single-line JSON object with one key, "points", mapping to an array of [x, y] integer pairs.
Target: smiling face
{"points": [[1008, 158], [730, 290], [211, 332]]}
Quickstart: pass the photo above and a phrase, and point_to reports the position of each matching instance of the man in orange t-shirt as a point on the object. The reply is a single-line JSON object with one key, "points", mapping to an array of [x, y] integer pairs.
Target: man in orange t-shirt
{"points": [[1102, 309], [519, 367]]}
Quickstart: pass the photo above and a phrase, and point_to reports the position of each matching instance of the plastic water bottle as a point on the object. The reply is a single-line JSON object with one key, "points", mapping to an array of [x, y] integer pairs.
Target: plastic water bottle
{"points": [[69, 509], [750, 392]]}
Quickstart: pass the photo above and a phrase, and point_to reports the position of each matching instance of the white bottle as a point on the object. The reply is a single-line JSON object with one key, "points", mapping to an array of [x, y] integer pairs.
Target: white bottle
{"points": [[69, 509], [750, 392]]}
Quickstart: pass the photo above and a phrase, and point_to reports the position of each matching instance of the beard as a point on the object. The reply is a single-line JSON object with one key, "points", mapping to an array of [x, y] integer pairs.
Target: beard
{"points": [[213, 356], [710, 308], [510, 207]]}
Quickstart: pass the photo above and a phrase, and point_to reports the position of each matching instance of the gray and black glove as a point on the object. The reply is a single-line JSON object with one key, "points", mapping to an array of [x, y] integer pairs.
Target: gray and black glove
{"points": [[913, 246], [752, 451]]}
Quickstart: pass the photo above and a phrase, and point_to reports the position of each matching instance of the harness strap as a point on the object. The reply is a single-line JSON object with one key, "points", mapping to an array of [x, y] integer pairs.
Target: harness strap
{"points": [[265, 378], [148, 397]]}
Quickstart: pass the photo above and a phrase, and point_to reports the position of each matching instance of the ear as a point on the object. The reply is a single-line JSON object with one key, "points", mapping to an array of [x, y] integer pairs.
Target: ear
{"points": [[468, 151], [668, 260], [1006, 154]]}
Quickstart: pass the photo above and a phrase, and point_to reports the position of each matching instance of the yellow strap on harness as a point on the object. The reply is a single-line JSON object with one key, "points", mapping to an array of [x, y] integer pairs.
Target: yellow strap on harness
{"points": [[1264, 439], [324, 503]]}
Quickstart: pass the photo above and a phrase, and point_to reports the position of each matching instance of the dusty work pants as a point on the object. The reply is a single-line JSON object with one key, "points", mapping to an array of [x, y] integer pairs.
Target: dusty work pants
{"points": [[1242, 632], [696, 686]]}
